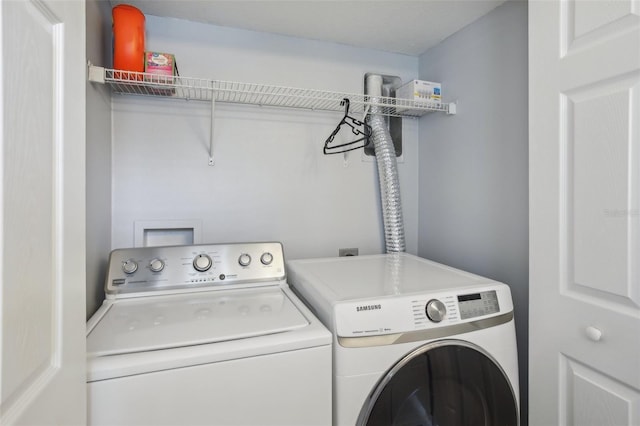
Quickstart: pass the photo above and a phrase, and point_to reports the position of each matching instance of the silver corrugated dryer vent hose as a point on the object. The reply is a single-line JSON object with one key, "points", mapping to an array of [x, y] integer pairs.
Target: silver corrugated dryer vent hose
{"points": [[387, 172]]}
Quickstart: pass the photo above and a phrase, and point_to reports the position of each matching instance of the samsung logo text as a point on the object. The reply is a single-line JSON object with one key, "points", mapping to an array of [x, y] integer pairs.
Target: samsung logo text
{"points": [[368, 308]]}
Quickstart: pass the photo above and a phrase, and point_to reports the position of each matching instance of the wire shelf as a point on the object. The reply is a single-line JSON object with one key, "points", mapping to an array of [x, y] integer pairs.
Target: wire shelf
{"points": [[145, 84]]}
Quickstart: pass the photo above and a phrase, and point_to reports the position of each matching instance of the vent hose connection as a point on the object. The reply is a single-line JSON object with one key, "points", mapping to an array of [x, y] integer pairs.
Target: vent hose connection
{"points": [[387, 171]]}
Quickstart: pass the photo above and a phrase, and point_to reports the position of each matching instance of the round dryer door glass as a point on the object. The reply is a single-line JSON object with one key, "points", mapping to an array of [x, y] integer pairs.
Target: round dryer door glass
{"points": [[443, 384]]}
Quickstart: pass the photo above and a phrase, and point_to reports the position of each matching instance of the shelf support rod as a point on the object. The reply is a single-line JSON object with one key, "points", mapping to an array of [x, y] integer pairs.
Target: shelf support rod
{"points": [[213, 110], [366, 112]]}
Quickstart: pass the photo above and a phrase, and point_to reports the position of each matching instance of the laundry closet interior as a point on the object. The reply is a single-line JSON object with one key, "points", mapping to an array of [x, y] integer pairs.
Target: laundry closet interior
{"points": [[171, 169]]}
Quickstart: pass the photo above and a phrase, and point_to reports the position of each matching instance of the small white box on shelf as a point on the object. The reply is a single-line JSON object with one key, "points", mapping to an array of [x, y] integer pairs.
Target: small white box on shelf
{"points": [[419, 91]]}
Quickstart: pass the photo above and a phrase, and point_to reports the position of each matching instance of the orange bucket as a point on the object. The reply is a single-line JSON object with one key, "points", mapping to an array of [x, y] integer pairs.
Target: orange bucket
{"points": [[128, 38]]}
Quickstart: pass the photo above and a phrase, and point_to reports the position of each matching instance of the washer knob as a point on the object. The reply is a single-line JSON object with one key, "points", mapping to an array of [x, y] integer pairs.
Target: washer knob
{"points": [[129, 266], [156, 265], [244, 259], [435, 310], [266, 258], [202, 262]]}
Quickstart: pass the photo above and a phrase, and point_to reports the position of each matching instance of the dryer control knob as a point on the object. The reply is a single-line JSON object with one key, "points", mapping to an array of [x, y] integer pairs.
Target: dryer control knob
{"points": [[244, 259], [129, 266], [156, 265], [202, 262], [435, 310]]}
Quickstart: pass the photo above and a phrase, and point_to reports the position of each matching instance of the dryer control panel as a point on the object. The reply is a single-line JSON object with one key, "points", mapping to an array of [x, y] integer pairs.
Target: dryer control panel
{"points": [[156, 269], [403, 314]]}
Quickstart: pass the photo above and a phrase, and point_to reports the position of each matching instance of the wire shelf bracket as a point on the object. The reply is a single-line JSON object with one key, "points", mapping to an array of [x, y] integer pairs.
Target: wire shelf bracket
{"points": [[177, 87]]}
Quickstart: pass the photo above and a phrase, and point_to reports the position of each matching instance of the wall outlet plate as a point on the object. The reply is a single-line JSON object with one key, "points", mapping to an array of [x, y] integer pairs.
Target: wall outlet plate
{"points": [[348, 252]]}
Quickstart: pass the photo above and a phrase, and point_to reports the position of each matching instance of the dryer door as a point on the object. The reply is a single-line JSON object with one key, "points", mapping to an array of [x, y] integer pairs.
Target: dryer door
{"points": [[446, 383]]}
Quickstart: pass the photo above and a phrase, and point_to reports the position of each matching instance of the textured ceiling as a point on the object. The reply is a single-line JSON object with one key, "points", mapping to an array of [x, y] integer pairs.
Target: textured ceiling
{"points": [[408, 27]]}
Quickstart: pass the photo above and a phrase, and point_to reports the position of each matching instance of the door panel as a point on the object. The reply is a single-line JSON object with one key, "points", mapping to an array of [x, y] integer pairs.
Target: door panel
{"points": [[30, 191], [602, 401], [42, 357], [600, 188], [584, 150], [585, 22]]}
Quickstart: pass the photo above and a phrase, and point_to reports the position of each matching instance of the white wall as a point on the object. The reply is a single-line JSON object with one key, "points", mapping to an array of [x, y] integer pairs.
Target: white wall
{"points": [[474, 166], [98, 155], [271, 180]]}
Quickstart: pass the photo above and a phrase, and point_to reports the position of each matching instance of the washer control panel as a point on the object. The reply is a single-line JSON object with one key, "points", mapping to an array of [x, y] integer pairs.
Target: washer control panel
{"points": [[147, 269]]}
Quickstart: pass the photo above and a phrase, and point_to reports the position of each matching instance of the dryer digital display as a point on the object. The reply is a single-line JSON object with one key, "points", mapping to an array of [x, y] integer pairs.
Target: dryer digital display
{"points": [[478, 304]]}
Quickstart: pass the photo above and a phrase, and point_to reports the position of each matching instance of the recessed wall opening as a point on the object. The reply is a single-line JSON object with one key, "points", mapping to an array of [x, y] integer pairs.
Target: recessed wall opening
{"points": [[157, 233]]}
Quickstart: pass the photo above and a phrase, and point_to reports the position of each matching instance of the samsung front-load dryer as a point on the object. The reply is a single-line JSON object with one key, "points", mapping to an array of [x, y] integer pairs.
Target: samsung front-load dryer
{"points": [[205, 335], [415, 342]]}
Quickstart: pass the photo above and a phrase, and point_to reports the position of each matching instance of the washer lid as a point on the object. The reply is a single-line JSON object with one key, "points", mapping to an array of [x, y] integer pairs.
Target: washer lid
{"points": [[151, 323]]}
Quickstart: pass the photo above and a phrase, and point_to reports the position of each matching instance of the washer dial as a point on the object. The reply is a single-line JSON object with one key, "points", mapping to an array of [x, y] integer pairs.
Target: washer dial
{"points": [[156, 265], [202, 262], [266, 258], [129, 266], [244, 259]]}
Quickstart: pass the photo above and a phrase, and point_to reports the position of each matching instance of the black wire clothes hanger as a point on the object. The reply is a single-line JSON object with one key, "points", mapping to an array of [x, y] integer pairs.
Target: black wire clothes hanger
{"points": [[357, 127]]}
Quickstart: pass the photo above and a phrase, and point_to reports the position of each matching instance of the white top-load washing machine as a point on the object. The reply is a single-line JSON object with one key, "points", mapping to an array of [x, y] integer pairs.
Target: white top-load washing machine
{"points": [[205, 335], [415, 342]]}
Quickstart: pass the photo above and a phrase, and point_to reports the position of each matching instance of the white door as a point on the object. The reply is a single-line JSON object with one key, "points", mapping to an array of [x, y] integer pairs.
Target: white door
{"points": [[584, 127], [42, 262]]}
